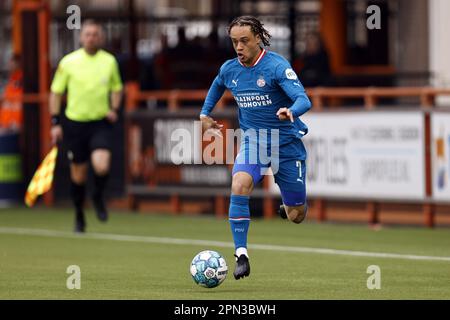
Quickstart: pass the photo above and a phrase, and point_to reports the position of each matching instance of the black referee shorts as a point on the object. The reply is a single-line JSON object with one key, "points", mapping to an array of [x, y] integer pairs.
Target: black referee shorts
{"points": [[81, 138]]}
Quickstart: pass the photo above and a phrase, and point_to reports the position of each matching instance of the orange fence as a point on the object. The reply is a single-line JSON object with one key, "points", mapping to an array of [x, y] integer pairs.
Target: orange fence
{"points": [[320, 98]]}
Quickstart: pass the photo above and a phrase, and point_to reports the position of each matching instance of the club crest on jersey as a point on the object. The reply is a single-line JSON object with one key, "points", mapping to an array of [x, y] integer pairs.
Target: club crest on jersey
{"points": [[261, 82]]}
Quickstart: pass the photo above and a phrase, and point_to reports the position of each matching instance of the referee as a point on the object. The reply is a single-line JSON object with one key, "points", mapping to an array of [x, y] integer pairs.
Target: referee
{"points": [[94, 89]]}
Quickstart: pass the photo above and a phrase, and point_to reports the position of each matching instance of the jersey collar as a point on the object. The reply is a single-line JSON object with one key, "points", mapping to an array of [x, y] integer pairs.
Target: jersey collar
{"points": [[260, 56]]}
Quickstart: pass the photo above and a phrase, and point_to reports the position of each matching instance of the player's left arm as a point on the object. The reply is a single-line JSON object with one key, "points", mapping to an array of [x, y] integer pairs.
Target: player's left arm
{"points": [[116, 93], [288, 81]]}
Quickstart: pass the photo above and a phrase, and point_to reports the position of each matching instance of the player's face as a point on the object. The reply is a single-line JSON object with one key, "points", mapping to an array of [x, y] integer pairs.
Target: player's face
{"points": [[91, 37], [245, 43]]}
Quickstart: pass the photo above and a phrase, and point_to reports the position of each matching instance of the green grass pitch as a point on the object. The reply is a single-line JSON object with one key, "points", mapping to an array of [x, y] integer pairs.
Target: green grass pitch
{"points": [[145, 264]]}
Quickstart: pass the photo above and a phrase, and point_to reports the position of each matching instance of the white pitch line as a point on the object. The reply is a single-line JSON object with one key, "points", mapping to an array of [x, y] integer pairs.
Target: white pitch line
{"points": [[164, 240]]}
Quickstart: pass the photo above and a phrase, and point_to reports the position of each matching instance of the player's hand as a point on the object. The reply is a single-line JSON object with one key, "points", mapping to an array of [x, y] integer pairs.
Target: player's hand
{"points": [[56, 134], [209, 123], [112, 116], [285, 114]]}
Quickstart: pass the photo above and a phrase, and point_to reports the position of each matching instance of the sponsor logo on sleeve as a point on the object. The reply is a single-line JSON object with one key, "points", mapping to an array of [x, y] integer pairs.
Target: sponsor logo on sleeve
{"points": [[290, 74]]}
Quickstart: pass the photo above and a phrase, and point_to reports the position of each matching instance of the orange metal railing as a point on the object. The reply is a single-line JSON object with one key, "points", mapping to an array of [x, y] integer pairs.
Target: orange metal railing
{"points": [[319, 98]]}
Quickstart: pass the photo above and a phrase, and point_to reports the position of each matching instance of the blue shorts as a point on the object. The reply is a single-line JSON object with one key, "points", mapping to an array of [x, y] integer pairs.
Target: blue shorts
{"points": [[289, 170]]}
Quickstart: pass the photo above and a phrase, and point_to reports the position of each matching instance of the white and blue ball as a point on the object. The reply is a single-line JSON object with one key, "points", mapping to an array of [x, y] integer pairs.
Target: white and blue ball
{"points": [[209, 269]]}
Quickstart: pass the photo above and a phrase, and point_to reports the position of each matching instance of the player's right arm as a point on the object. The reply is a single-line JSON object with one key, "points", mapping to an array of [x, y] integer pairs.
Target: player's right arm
{"points": [[57, 89], [215, 92]]}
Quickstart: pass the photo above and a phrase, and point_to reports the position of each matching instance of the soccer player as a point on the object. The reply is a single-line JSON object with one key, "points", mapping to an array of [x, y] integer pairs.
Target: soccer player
{"points": [[269, 96], [94, 89]]}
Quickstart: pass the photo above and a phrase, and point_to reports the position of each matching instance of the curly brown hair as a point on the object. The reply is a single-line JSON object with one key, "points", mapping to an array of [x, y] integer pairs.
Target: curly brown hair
{"points": [[255, 25]]}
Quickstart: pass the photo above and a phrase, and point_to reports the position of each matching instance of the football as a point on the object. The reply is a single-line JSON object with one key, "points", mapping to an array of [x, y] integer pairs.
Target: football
{"points": [[209, 269]]}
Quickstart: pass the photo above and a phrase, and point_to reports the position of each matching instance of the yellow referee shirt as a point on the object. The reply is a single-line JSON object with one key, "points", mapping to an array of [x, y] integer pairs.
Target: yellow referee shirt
{"points": [[88, 80]]}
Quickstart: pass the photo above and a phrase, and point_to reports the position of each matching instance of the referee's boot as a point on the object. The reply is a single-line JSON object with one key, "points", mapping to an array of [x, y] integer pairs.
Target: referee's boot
{"points": [[242, 267], [100, 208], [282, 212]]}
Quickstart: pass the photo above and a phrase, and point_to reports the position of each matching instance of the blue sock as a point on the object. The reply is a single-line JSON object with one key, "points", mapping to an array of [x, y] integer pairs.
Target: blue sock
{"points": [[239, 216]]}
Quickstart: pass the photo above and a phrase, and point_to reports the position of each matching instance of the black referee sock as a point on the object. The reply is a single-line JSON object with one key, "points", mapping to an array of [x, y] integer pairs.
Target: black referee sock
{"points": [[78, 193], [99, 185]]}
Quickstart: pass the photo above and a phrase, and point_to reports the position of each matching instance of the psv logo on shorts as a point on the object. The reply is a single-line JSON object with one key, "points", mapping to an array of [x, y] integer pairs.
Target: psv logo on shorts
{"points": [[261, 82]]}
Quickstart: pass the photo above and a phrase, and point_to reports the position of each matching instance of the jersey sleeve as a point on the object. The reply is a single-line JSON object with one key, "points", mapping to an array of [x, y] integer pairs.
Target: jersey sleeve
{"points": [[60, 79], [215, 92], [116, 81], [287, 79]]}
